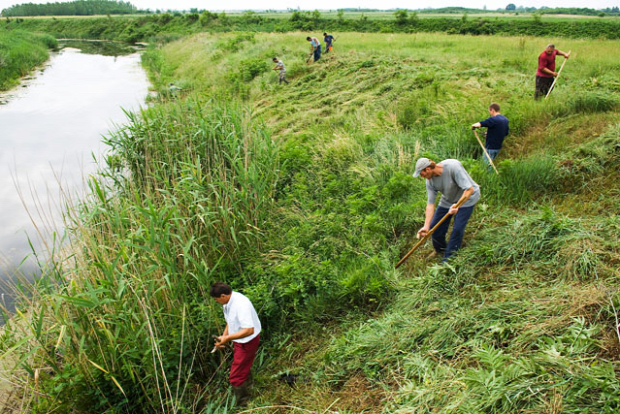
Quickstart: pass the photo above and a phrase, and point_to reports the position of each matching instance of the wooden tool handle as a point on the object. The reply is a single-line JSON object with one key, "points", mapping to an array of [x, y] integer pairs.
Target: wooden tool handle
{"points": [[430, 232], [485, 151], [556, 78]]}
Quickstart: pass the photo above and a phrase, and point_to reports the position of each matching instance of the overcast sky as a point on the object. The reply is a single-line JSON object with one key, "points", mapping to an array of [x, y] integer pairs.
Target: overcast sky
{"points": [[336, 4]]}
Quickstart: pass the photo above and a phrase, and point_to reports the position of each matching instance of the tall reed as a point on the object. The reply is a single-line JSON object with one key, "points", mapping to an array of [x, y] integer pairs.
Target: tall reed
{"points": [[125, 318]]}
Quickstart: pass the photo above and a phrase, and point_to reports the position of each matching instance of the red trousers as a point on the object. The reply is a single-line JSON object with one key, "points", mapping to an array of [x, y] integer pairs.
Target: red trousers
{"points": [[243, 358]]}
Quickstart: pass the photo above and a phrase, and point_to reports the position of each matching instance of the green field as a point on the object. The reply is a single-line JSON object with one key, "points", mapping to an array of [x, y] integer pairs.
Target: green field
{"points": [[301, 196]]}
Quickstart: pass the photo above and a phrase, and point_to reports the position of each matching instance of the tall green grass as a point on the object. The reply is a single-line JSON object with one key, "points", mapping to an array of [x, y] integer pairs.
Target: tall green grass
{"points": [[126, 322], [20, 53], [211, 163]]}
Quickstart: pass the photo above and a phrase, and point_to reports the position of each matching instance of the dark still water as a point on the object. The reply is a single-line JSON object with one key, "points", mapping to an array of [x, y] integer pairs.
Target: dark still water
{"points": [[50, 127]]}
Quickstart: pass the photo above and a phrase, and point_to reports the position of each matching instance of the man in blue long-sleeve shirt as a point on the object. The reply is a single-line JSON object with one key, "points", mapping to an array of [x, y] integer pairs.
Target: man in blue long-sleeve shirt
{"points": [[497, 129], [329, 39]]}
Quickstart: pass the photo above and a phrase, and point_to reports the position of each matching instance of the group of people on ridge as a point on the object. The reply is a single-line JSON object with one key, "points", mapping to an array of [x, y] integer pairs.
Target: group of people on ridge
{"points": [[449, 178], [459, 195], [315, 52], [315, 45]]}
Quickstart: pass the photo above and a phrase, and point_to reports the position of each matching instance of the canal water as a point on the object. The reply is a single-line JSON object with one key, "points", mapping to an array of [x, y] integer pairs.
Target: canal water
{"points": [[51, 128]]}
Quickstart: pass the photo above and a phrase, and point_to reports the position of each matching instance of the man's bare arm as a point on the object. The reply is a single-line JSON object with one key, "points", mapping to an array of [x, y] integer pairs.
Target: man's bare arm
{"points": [[430, 211]]}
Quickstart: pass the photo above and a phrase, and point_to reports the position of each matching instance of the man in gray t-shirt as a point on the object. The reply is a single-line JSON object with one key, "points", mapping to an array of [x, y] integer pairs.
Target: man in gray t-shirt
{"points": [[454, 183], [280, 66]]}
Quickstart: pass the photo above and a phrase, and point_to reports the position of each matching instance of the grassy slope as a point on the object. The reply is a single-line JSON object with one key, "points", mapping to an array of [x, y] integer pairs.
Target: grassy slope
{"points": [[312, 225], [21, 52], [521, 320]]}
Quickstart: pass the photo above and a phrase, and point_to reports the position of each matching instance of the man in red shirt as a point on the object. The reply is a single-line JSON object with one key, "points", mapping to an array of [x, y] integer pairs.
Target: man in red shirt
{"points": [[546, 70]]}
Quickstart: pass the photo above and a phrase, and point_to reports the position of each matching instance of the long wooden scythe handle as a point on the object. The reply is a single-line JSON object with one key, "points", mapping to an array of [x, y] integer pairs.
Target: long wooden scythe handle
{"points": [[556, 78], [485, 151], [429, 233]]}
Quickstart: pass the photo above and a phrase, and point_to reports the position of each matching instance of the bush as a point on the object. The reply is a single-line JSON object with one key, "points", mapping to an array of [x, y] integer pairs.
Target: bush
{"points": [[304, 21], [401, 16], [192, 17], [251, 68], [206, 17], [233, 45]]}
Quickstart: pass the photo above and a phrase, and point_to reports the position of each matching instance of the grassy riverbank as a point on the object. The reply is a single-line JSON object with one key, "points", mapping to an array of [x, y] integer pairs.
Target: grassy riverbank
{"points": [[301, 196], [20, 53]]}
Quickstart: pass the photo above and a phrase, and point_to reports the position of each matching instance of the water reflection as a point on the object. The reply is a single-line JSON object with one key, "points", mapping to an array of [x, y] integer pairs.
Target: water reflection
{"points": [[49, 129], [104, 48]]}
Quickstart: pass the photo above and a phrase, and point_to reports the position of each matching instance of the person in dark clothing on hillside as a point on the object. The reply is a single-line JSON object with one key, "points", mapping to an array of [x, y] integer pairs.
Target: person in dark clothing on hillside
{"points": [[546, 70], [329, 39], [497, 129]]}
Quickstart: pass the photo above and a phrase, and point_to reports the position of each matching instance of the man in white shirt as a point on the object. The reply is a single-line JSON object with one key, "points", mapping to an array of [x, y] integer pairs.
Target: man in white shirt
{"points": [[243, 329]]}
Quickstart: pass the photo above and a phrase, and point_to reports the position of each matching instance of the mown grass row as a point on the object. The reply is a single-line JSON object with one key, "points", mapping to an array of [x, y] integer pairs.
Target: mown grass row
{"points": [[20, 53], [521, 321], [301, 196]]}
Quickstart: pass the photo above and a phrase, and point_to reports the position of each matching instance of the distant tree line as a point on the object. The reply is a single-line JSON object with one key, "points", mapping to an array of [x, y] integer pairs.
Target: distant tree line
{"points": [[582, 11], [453, 10], [73, 8]]}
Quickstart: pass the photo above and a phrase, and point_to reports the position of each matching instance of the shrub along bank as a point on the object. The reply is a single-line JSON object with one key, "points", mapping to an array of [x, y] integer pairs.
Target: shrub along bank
{"points": [[167, 25], [21, 52], [301, 196]]}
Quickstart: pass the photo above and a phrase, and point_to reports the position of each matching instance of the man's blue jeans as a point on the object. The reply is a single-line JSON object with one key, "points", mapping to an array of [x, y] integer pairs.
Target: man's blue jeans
{"points": [[458, 230], [317, 53], [492, 153]]}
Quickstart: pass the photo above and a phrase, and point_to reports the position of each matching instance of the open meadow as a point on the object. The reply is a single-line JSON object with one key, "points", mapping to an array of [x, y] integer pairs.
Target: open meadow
{"points": [[301, 196]]}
